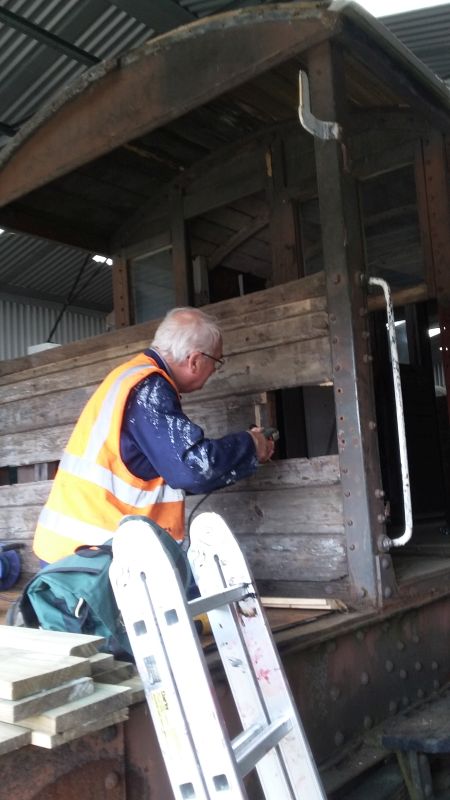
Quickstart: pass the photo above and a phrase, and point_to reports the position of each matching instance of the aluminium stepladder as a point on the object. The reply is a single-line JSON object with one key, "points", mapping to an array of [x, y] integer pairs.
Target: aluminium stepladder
{"points": [[201, 761]]}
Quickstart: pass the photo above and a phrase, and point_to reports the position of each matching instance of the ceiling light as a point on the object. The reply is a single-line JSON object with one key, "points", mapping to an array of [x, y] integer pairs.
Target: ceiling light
{"points": [[103, 260]]}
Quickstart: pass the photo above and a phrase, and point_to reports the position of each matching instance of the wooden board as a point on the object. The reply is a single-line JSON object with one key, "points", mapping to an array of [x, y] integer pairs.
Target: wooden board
{"points": [[58, 643], [105, 699], [12, 737], [101, 661], [16, 710], [312, 510], [136, 687], [117, 672], [25, 672], [51, 740]]}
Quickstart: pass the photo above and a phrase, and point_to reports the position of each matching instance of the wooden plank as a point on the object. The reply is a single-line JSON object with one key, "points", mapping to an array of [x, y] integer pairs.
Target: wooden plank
{"points": [[317, 510], [302, 363], [117, 672], [25, 672], [136, 687], [105, 699], [16, 710], [32, 412], [300, 602], [87, 370], [122, 342], [51, 740], [57, 643], [25, 494], [45, 445], [293, 473], [100, 661], [12, 737], [295, 558]]}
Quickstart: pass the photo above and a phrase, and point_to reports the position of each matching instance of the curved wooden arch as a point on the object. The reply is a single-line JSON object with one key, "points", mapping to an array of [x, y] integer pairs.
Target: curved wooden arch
{"points": [[120, 100]]}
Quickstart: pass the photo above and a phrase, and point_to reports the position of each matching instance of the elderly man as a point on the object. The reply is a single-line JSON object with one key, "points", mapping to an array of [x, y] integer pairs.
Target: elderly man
{"points": [[134, 451]]}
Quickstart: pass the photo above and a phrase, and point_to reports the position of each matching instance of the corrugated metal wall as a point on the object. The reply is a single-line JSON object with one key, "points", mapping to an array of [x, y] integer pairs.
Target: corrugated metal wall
{"points": [[25, 324]]}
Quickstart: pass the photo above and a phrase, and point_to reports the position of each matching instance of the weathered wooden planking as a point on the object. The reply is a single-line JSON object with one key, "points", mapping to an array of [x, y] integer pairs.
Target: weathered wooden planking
{"points": [[16, 710], [315, 510], [51, 740], [295, 558], [57, 643], [73, 383], [304, 363], [17, 522], [42, 445], [291, 473], [25, 672], [295, 364], [20, 506], [122, 342], [20, 495], [105, 699], [12, 737]]}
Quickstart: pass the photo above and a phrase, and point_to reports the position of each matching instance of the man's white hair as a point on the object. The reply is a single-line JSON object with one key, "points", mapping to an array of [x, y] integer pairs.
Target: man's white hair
{"points": [[184, 331]]}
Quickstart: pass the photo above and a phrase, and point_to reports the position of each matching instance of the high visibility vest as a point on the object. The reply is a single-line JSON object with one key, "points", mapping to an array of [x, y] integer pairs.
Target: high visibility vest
{"points": [[93, 488]]}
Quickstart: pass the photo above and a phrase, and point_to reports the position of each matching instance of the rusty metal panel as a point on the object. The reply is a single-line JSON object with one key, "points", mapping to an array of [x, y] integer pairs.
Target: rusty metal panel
{"points": [[92, 768]]}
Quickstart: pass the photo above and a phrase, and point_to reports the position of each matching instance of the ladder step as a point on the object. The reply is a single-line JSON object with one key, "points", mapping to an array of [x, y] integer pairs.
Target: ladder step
{"points": [[251, 745], [201, 605]]}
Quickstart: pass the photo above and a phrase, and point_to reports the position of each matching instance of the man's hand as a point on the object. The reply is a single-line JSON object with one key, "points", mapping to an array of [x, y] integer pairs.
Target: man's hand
{"points": [[264, 447]]}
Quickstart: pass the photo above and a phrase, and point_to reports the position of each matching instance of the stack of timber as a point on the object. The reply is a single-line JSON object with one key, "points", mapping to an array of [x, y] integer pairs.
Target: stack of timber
{"points": [[56, 687]]}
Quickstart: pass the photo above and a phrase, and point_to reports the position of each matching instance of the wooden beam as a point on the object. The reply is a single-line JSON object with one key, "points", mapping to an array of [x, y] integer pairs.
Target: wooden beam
{"points": [[437, 215], [122, 315], [182, 271], [123, 99], [37, 223], [353, 391], [284, 228], [236, 240]]}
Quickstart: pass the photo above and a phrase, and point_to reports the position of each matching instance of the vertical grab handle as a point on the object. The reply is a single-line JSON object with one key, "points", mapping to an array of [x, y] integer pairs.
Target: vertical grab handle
{"points": [[392, 337]]}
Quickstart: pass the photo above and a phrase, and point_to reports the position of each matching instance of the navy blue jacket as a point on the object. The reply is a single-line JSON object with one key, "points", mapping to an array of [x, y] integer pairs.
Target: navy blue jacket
{"points": [[157, 438]]}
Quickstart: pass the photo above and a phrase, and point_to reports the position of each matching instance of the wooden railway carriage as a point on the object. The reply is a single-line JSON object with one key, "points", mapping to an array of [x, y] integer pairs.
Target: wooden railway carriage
{"points": [[186, 161]]}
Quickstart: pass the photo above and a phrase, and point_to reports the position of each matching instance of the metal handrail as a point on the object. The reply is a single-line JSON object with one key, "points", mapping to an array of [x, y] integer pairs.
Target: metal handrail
{"points": [[392, 337]]}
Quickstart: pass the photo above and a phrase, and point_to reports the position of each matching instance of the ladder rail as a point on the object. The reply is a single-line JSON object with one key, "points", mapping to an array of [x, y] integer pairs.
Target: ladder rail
{"points": [[217, 561]]}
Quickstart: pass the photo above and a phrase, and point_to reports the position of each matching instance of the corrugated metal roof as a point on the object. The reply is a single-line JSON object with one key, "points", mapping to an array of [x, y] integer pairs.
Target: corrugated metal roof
{"points": [[427, 33], [45, 44]]}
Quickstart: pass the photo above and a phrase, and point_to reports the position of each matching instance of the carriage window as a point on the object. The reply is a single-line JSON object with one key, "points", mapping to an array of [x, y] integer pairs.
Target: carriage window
{"points": [[391, 228], [152, 287]]}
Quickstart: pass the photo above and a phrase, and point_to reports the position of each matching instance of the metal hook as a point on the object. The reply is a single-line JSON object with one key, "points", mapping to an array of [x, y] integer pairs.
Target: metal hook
{"points": [[318, 128]]}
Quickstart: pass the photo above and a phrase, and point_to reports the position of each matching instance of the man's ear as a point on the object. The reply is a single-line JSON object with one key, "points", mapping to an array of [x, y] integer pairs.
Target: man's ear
{"points": [[193, 361]]}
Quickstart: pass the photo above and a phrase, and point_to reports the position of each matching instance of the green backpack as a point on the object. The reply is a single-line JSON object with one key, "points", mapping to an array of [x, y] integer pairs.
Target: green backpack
{"points": [[74, 594]]}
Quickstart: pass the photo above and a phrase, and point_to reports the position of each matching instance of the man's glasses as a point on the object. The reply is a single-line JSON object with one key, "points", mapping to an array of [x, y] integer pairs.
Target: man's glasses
{"points": [[219, 361]]}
